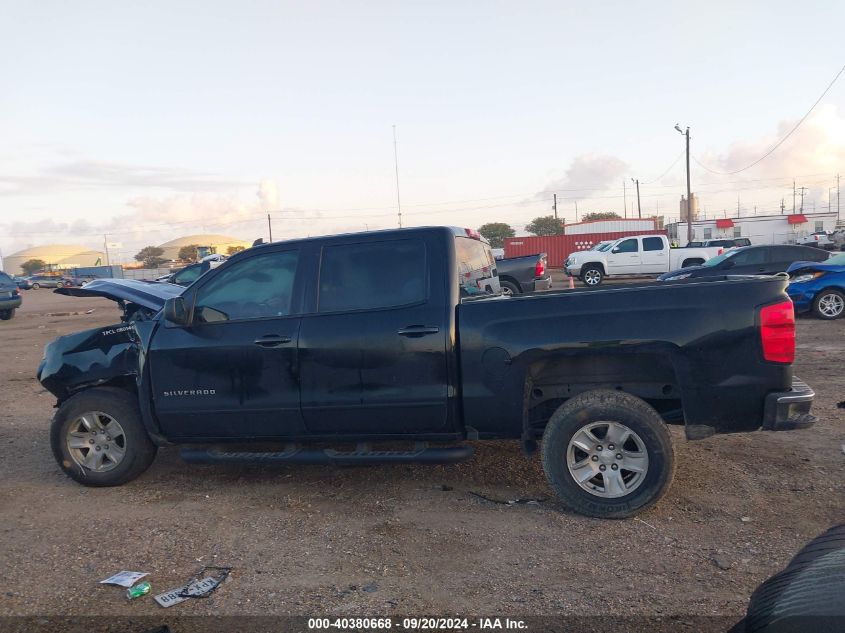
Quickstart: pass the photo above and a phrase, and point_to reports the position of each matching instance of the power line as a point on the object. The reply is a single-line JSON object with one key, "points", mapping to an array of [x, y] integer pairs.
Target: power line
{"points": [[781, 141], [668, 169]]}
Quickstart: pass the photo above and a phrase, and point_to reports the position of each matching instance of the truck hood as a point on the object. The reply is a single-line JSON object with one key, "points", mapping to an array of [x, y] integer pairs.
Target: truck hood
{"points": [[143, 293]]}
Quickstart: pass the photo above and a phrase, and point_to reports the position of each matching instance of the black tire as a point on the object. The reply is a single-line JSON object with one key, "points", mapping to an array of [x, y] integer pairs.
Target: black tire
{"points": [[5, 315], [603, 406], [829, 293], [805, 596], [510, 288], [36, 286], [123, 407], [595, 273], [692, 262]]}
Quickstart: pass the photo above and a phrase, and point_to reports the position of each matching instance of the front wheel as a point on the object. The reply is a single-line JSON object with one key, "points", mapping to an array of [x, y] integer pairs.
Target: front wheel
{"points": [[829, 304], [608, 454], [98, 438], [592, 276], [5, 315]]}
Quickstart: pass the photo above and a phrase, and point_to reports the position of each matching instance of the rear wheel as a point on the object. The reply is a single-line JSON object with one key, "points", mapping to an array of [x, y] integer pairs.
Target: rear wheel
{"points": [[592, 276], [509, 288], [692, 262], [5, 315], [829, 304], [36, 286], [98, 438], [608, 454]]}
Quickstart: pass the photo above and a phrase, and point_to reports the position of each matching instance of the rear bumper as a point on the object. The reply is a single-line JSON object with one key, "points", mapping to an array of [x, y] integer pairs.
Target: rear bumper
{"points": [[10, 304], [543, 284], [789, 410]]}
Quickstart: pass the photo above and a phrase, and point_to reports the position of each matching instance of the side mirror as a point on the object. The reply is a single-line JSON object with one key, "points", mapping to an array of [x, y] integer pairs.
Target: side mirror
{"points": [[176, 311], [615, 249]]}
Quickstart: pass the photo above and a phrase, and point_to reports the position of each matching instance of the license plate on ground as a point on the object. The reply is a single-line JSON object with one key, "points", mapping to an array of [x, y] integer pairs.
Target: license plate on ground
{"points": [[180, 594]]}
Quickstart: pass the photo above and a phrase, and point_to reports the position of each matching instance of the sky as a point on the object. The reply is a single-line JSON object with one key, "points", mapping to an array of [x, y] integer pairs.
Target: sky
{"points": [[149, 121]]}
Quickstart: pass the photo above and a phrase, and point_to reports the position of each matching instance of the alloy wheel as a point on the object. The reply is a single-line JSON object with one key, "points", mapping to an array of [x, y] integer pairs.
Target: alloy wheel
{"points": [[96, 441], [607, 459]]}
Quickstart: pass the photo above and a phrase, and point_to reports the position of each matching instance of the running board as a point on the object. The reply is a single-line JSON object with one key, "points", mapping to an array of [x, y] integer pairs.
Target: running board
{"points": [[295, 454]]}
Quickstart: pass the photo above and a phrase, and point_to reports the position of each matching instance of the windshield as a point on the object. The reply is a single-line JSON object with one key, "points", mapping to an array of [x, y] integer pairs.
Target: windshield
{"points": [[603, 247], [715, 261]]}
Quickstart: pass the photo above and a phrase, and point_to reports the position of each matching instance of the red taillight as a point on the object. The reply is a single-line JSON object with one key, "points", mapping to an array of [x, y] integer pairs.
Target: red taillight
{"points": [[540, 268], [777, 332], [473, 234], [721, 250]]}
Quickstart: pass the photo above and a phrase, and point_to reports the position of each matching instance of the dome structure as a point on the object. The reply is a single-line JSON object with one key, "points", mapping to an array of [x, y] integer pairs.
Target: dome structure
{"points": [[208, 243], [55, 256]]}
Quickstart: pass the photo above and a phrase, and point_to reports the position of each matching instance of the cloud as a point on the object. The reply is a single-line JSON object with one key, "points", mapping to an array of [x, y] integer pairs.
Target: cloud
{"points": [[818, 146], [587, 174], [91, 174], [268, 194]]}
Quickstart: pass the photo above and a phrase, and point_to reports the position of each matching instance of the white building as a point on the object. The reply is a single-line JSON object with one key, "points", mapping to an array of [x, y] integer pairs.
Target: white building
{"points": [[616, 225], [760, 229]]}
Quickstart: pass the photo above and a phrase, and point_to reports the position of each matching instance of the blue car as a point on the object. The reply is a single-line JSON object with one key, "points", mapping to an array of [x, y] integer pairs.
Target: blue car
{"points": [[819, 286]]}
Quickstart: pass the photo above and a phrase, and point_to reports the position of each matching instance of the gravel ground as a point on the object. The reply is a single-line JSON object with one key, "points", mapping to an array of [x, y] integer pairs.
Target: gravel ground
{"points": [[404, 539]]}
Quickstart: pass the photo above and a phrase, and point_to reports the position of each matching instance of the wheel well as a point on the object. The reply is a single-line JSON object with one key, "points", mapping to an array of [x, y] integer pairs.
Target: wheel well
{"points": [[510, 280], [123, 383], [694, 261], [595, 265], [648, 376]]}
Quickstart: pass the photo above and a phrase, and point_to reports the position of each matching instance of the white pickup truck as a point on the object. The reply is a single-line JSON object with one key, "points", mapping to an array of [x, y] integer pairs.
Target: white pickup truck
{"points": [[635, 255]]}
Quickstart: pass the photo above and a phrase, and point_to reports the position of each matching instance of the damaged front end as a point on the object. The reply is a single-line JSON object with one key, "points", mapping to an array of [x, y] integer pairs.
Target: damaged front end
{"points": [[107, 355], [90, 358]]}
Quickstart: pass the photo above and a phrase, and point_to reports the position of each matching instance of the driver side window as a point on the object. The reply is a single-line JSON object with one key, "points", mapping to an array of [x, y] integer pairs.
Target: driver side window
{"points": [[628, 246], [259, 287]]}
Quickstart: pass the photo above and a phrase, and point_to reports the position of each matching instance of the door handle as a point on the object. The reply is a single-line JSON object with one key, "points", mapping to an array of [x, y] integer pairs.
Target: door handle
{"points": [[271, 340], [418, 330]]}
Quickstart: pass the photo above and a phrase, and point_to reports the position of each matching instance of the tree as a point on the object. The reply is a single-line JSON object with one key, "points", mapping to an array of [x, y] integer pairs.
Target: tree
{"points": [[234, 249], [496, 232], [188, 253], [32, 266], [600, 215], [546, 225], [151, 256]]}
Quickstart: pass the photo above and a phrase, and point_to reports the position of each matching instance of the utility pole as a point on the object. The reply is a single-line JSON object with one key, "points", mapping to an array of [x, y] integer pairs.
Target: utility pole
{"points": [[554, 205], [802, 190], [624, 200], [270, 227], [106, 244], [689, 195], [781, 206], [837, 199], [576, 210], [639, 210], [737, 206], [396, 165], [793, 196]]}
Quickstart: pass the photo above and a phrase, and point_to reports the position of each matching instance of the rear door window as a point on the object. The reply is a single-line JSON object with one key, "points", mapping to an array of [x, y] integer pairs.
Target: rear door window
{"points": [[373, 275], [475, 265], [750, 257], [652, 244]]}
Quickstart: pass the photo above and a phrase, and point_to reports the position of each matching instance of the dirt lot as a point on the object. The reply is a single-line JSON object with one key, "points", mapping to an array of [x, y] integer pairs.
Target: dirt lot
{"points": [[404, 540]]}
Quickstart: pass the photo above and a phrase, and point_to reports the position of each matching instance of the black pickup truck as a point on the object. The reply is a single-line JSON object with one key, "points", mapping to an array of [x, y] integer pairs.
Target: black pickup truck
{"points": [[366, 341]]}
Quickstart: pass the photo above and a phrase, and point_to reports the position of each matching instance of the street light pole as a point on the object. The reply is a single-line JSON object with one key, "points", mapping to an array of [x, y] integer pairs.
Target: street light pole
{"points": [[689, 195], [639, 210]]}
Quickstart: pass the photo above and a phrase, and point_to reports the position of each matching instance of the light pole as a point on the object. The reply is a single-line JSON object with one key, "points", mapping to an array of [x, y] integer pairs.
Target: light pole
{"points": [[639, 210], [689, 196]]}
